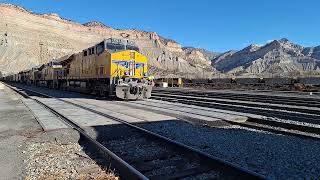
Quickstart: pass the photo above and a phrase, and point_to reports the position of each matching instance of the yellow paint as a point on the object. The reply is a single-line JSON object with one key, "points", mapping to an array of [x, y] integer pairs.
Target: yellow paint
{"points": [[129, 56], [179, 81], [103, 66]]}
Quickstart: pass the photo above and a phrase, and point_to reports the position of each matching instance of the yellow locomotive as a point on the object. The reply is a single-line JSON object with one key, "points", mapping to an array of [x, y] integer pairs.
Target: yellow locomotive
{"points": [[111, 67]]}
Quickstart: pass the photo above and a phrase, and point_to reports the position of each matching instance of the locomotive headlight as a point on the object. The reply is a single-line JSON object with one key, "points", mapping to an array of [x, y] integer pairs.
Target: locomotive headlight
{"points": [[126, 73], [145, 74]]}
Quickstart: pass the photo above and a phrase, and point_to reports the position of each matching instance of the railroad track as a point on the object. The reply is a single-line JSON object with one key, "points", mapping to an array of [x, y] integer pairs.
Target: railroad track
{"points": [[295, 101], [273, 124], [140, 154], [294, 113]]}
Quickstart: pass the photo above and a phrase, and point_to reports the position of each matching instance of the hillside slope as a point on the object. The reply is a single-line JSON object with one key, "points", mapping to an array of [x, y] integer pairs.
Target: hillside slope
{"points": [[277, 58], [28, 39]]}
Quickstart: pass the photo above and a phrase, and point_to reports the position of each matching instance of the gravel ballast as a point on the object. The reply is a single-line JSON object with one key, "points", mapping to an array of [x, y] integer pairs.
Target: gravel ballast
{"points": [[275, 156], [27, 152], [50, 160], [272, 155]]}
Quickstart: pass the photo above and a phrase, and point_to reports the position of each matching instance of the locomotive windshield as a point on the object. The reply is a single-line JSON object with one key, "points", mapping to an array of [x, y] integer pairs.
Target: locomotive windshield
{"points": [[115, 47], [56, 63], [130, 47]]}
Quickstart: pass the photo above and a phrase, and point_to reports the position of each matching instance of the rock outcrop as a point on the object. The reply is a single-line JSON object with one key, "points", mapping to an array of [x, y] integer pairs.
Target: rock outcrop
{"points": [[277, 58], [28, 39]]}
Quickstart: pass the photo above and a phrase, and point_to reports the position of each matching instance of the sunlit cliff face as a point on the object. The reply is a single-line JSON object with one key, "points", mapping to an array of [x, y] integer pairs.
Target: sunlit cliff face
{"points": [[28, 39]]}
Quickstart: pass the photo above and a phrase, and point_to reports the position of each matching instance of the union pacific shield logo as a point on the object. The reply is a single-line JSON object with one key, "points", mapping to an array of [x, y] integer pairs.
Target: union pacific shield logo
{"points": [[122, 63]]}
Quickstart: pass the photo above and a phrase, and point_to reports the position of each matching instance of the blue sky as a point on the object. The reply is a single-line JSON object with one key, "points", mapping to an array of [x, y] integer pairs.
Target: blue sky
{"points": [[214, 25]]}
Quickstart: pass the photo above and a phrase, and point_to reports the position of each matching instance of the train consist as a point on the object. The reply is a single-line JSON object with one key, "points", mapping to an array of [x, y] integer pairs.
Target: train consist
{"points": [[111, 67], [299, 83], [255, 81]]}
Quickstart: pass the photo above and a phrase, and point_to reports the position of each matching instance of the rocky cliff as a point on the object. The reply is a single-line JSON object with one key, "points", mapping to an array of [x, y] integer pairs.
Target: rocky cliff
{"points": [[28, 39], [277, 58]]}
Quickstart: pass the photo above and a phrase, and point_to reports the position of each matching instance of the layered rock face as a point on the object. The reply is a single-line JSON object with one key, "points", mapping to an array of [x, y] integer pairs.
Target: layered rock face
{"points": [[28, 39], [277, 58], [199, 56]]}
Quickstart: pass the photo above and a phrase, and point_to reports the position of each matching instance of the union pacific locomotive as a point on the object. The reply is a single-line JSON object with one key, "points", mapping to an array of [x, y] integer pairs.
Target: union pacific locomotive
{"points": [[111, 67]]}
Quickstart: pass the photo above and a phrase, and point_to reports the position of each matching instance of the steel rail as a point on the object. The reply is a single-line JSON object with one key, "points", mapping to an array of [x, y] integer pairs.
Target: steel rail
{"points": [[125, 170], [282, 127], [301, 109], [210, 160], [262, 109], [302, 101]]}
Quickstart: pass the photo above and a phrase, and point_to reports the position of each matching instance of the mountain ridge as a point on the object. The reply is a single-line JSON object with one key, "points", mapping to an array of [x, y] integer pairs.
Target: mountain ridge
{"points": [[278, 57], [28, 39]]}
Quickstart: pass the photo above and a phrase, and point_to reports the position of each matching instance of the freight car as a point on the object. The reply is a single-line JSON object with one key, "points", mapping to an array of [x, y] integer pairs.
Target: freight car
{"points": [[111, 67], [284, 83], [249, 81], [280, 81], [315, 81]]}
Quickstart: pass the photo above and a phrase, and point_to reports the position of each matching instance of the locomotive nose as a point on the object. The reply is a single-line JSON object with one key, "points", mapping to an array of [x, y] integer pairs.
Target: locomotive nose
{"points": [[133, 92]]}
